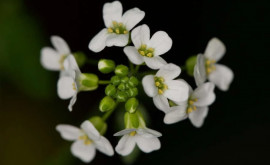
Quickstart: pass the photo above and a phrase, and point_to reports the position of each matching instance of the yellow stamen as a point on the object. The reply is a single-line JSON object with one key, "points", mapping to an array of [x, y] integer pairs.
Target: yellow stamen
{"points": [[157, 84], [189, 110], [125, 31], [165, 87], [83, 137], [194, 108], [142, 53], [151, 50], [117, 30], [160, 91], [143, 46], [110, 30], [87, 142], [132, 133], [161, 79], [74, 86], [114, 23], [190, 102], [149, 55], [120, 24]]}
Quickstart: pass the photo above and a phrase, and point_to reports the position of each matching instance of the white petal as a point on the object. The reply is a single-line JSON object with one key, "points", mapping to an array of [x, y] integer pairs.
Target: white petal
{"points": [[104, 146], [176, 114], [50, 59], [205, 94], [199, 70], [169, 71], [140, 35], [60, 45], [197, 117], [215, 49], [221, 77], [65, 87], [90, 130], [132, 17], [72, 102], [154, 62], [119, 40], [124, 132], [68, 132], [73, 64], [177, 91], [125, 145], [133, 55], [98, 43], [149, 86], [112, 12], [84, 152], [161, 42], [161, 103], [148, 144], [148, 133]]}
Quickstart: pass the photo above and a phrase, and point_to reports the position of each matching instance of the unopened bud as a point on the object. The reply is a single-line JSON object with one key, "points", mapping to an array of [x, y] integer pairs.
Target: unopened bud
{"points": [[133, 81], [99, 124], [131, 105], [106, 66], [88, 82], [121, 96], [107, 104], [115, 80], [80, 58], [131, 120], [110, 90], [121, 70], [190, 63]]}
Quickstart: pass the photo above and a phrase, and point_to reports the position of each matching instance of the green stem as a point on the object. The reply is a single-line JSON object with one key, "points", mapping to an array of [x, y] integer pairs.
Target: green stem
{"points": [[131, 66], [137, 68], [108, 114], [104, 82]]}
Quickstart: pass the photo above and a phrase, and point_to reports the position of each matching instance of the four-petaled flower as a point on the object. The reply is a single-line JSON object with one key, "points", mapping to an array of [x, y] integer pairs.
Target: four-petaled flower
{"points": [[162, 86], [146, 139], [195, 108], [148, 50], [117, 28], [206, 67], [87, 140]]}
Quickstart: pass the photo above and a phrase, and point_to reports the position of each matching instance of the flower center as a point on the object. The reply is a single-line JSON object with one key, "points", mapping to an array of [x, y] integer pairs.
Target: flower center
{"points": [[118, 28], [159, 83], [210, 66], [191, 106], [86, 140], [144, 51], [133, 133], [61, 61]]}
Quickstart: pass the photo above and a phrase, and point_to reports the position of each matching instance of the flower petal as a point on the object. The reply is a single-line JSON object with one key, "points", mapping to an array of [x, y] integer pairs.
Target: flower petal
{"points": [[68, 132], [90, 130], [98, 43], [169, 71], [72, 102], [149, 86], [133, 55], [161, 103], [199, 70], [119, 40], [221, 77], [125, 145], [148, 144], [104, 146], [112, 12], [50, 59], [154, 62], [161, 42], [197, 117], [124, 132], [84, 152], [65, 87], [205, 94], [176, 114], [177, 90], [148, 133], [132, 17], [60, 45], [140, 35], [215, 49]]}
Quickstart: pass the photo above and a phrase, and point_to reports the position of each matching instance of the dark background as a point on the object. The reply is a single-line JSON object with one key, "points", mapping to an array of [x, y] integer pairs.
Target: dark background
{"points": [[236, 130]]}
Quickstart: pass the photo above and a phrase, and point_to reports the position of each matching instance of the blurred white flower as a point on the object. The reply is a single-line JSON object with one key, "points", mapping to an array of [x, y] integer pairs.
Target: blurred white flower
{"points": [[148, 50], [146, 139], [206, 67], [117, 25], [195, 108], [162, 86], [87, 140]]}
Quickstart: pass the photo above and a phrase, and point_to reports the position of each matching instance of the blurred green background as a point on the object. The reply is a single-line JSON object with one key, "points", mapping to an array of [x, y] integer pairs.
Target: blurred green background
{"points": [[236, 130]]}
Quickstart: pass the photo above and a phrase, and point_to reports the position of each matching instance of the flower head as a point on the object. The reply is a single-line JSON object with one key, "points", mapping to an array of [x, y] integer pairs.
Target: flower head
{"points": [[148, 50], [117, 25], [207, 67], [86, 140]]}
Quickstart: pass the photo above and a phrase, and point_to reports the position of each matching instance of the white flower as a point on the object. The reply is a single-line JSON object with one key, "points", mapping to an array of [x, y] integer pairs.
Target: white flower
{"points": [[87, 140], [53, 59], [117, 25], [146, 139], [148, 50], [68, 85], [162, 86], [206, 67], [195, 108]]}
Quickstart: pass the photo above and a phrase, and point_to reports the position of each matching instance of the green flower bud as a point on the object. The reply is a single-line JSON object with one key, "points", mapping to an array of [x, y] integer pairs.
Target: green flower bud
{"points": [[110, 90], [133, 81], [106, 66], [190, 63], [131, 120], [121, 96], [80, 58], [131, 105], [88, 82], [124, 79], [99, 124], [115, 80], [132, 92], [106, 104], [121, 86], [121, 70]]}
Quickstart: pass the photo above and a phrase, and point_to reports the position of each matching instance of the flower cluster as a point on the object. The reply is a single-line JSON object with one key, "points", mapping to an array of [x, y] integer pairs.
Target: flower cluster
{"points": [[172, 95]]}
